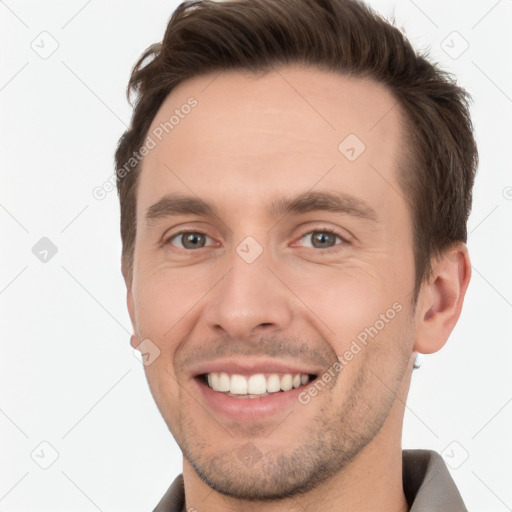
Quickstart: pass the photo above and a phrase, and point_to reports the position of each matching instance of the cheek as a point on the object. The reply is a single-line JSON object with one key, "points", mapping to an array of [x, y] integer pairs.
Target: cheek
{"points": [[354, 303], [166, 393], [343, 295], [163, 298]]}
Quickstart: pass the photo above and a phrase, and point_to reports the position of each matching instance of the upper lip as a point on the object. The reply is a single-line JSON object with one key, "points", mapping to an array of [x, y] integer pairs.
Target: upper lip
{"points": [[252, 366]]}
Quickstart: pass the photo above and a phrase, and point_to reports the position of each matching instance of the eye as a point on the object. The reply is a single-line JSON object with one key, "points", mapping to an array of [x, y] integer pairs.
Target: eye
{"points": [[318, 239], [189, 240], [321, 239]]}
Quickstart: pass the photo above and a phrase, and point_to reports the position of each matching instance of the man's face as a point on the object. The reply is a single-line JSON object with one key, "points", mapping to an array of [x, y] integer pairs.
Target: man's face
{"points": [[301, 265]]}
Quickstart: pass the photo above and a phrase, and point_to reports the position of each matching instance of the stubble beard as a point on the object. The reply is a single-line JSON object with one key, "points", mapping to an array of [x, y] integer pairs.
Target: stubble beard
{"points": [[338, 434]]}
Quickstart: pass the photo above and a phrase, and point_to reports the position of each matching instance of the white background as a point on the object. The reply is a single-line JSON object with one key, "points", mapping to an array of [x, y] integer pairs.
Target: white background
{"points": [[67, 373]]}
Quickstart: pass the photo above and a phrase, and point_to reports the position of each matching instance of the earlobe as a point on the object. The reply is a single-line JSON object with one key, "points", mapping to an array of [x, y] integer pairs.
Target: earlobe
{"points": [[134, 341], [441, 298]]}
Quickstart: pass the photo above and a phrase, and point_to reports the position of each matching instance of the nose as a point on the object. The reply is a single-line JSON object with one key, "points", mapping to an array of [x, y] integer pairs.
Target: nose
{"points": [[248, 300]]}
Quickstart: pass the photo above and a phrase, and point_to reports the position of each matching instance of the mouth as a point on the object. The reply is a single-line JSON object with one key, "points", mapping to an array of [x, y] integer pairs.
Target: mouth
{"points": [[252, 390], [256, 385]]}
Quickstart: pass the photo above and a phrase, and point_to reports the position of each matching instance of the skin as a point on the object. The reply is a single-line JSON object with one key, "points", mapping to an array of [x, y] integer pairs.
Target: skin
{"points": [[250, 139]]}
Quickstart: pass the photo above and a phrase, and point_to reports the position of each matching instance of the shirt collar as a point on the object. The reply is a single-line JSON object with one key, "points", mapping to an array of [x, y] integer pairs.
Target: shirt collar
{"points": [[427, 485]]}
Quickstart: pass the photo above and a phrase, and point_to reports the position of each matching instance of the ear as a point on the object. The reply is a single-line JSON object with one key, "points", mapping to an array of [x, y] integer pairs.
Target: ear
{"points": [[134, 340], [440, 299]]}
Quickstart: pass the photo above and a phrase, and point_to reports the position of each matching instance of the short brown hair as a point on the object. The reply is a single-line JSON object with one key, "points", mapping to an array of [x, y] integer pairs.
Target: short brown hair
{"points": [[343, 36]]}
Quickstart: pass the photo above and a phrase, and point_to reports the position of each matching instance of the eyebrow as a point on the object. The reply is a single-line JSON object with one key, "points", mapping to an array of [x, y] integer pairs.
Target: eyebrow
{"points": [[178, 204]]}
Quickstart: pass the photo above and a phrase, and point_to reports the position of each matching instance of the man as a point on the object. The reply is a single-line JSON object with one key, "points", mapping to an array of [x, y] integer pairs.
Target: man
{"points": [[294, 188]]}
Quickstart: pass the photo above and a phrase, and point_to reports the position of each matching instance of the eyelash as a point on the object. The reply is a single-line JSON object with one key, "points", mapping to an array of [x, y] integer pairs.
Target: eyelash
{"points": [[332, 231]]}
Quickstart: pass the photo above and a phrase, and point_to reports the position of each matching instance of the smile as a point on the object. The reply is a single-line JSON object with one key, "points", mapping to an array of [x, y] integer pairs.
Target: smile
{"points": [[255, 385]]}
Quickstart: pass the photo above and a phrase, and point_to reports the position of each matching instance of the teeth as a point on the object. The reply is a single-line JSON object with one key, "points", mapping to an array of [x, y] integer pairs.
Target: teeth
{"points": [[224, 382], [257, 384], [238, 385], [286, 382], [273, 383]]}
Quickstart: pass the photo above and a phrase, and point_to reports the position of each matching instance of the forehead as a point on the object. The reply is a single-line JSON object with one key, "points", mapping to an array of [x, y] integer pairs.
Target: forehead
{"points": [[246, 135]]}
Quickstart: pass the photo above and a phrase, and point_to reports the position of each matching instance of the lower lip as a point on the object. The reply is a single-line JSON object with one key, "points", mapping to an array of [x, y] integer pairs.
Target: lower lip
{"points": [[250, 409]]}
